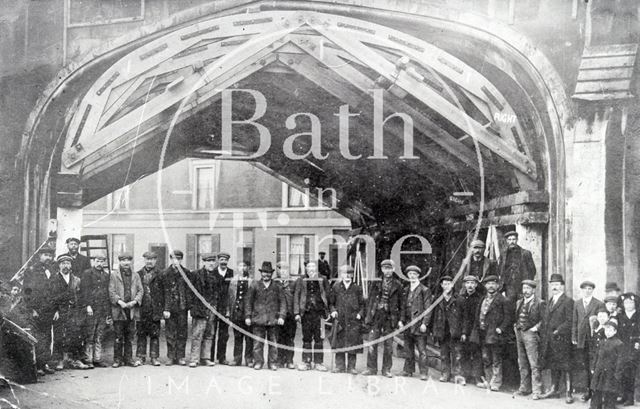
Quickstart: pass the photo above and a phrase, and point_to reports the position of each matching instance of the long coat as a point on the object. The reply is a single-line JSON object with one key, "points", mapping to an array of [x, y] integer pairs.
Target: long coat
{"points": [[116, 292], [37, 289], [497, 316], [236, 302], [525, 270], [580, 325], [66, 296], [300, 293], [468, 307], [556, 334], [221, 289], [446, 312], [629, 334], [348, 302], [395, 302], [420, 300], [177, 295], [265, 305], [94, 291], [289, 288], [609, 365], [156, 293]]}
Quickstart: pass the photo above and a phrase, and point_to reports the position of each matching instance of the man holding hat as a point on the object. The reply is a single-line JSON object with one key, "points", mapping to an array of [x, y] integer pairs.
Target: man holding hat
{"points": [[176, 305], [529, 314], [629, 333], [516, 264], [79, 263], [491, 326], [125, 292], [221, 282], [265, 310], [556, 338], [94, 300], [151, 310], [471, 356], [446, 327], [584, 312], [36, 288], [202, 319], [383, 316]]}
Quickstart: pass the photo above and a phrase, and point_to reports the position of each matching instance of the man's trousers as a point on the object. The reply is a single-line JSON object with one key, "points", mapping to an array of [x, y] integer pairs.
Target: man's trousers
{"points": [[123, 345], [411, 342], [492, 361], [202, 338], [176, 333], [238, 340], [311, 322], [528, 343], [286, 336], [270, 333], [95, 326], [148, 330]]}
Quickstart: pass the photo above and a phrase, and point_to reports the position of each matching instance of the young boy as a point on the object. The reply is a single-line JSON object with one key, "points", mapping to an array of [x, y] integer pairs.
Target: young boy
{"points": [[597, 335], [608, 369]]}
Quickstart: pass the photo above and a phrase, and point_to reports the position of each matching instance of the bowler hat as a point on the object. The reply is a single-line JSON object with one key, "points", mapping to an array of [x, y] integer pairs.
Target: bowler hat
{"points": [[177, 254], [530, 283], [470, 278], [556, 278], [224, 254], [611, 286], [587, 283], [477, 244], [125, 256], [489, 278], [64, 257], [70, 239], [413, 268], [387, 262], [511, 233], [208, 257], [266, 267], [150, 254]]}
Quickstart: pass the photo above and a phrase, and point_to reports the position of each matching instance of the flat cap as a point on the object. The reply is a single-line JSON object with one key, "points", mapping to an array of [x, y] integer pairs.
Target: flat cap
{"points": [[611, 323], [530, 283], [64, 257], [208, 257], [150, 254], [224, 254], [489, 278], [587, 283], [347, 269], [70, 239], [125, 256], [470, 278], [510, 233], [413, 268], [47, 249], [387, 262], [611, 298], [556, 278], [177, 254], [445, 278], [322, 252], [100, 256], [477, 244]]}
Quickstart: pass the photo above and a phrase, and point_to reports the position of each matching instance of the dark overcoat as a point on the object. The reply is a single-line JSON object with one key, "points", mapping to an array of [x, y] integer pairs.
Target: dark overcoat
{"points": [[629, 334], [203, 281], [498, 316], [420, 300], [94, 291], [556, 334], [348, 302], [300, 293], [156, 293], [37, 290], [237, 299], [221, 289], [609, 365], [580, 323], [395, 302], [265, 305], [79, 263], [525, 269], [177, 296], [468, 304], [289, 288], [446, 311]]}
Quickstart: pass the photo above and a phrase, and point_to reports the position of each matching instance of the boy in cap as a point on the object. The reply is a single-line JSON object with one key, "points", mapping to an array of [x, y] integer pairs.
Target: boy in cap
{"points": [[238, 291], [151, 310], [471, 356], [176, 304], [446, 329], [609, 366], [611, 303], [597, 335], [125, 292], [287, 333], [383, 317], [79, 263], [202, 318], [94, 300], [629, 333], [529, 314], [516, 264], [222, 277]]}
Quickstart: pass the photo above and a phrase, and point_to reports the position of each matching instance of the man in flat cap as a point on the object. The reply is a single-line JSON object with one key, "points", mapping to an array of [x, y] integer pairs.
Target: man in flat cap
{"points": [[383, 316], [238, 291], [203, 319], [416, 301], [471, 356], [446, 328], [125, 292], [529, 314], [222, 279], [323, 266], [79, 262], [38, 297], [68, 320], [556, 338], [479, 265], [584, 312], [177, 299], [491, 326], [516, 264], [94, 300], [151, 310], [629, 333]]}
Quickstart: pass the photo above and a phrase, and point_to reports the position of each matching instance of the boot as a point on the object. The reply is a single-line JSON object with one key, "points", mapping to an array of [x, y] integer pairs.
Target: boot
{"points": [[551, 393]]}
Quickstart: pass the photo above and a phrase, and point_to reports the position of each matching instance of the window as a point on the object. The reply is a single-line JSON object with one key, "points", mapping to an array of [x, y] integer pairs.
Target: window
{"points": [[245, 247], [199, 244], [293, 198], [295, 250], [120, 243], [119, 199], [204, 188]]}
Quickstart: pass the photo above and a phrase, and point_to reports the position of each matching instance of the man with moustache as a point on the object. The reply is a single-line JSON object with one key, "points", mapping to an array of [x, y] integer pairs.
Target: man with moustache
{"points": [[516, 264], [383, 317], [79, 263], [265, 311], [238, 291], [151, 310], [310, 308], [287, 332], [491, 326], [479, 265], [470, 351], [176, 305], [529, 313], [556, 338], [125, 292], [203, 319], [446, 327], [94, 299], [222, 278], [584, 312], [39, 300]]}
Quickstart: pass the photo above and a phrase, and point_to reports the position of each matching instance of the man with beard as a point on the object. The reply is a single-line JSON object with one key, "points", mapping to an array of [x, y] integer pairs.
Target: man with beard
{"points": [[529, 312], [347, 309], [629, 333], [287, 332], [79, 263], [238, 290], [203, 319], [94, 299], [68, 320], [310, 307], [383, 317], [176, 305], [471, 355], [125, 292], [446, 329], [38, 299], [516, 264], [491, 326], [479, 265], [556, 338], [265, 311], [151, 310], [222, 278]]}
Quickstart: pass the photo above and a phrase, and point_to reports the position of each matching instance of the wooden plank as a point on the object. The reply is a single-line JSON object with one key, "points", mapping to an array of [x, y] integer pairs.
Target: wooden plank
{"points": [[607, 62], [506, 220], [523, 197], [603, 96], [605, 73], [602, 86], [609, 50]]}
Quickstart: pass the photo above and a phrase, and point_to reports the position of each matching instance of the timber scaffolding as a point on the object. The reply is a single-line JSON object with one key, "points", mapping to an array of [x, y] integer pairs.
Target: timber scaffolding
{"points": [[524, 208]]}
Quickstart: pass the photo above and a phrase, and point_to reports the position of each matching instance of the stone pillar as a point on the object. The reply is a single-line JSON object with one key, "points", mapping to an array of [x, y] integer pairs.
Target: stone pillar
{"points": [[69, 225], [530, 237]]}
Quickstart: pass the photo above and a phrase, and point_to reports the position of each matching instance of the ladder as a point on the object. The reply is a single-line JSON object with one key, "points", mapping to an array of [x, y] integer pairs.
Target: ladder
{"points": [[95, 244]]}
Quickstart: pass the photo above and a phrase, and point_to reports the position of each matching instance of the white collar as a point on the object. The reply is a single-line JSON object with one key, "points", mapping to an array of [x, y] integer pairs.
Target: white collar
{"points": [[221, 272], [347, 285], [526, 300], [414, 285], [586, 301], [67, 278], [267, 283], [629, 314], [555, 297]]}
